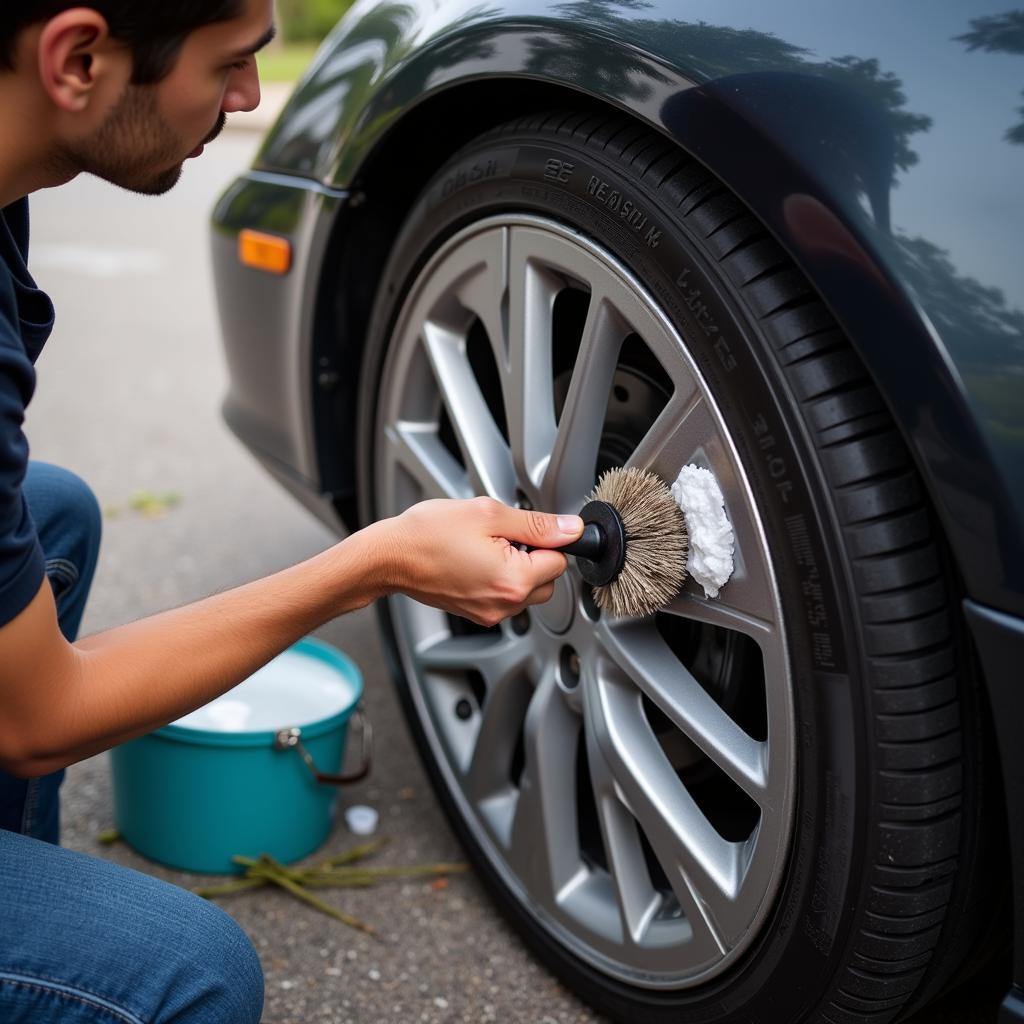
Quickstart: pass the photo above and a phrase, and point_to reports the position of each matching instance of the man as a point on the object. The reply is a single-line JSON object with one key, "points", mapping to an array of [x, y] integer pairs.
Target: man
{"points": [[128, 91]]}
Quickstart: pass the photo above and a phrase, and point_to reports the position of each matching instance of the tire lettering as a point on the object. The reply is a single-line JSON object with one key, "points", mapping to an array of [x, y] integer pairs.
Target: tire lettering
{"points": [[813, 594], [628, 209], [558, 170], [776, 464], [467, 176], [692, 299]]}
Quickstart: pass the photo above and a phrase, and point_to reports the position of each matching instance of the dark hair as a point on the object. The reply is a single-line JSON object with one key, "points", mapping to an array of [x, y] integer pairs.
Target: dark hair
{"points": [[154, 31]]}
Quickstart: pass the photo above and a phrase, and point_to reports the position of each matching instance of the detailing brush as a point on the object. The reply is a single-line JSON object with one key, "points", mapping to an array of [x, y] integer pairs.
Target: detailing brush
{"points": [[633, 547]]}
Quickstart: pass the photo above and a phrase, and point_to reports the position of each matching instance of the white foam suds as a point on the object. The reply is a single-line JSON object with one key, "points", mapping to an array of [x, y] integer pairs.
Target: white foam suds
{"points": [[291, 689], [709, 558]]}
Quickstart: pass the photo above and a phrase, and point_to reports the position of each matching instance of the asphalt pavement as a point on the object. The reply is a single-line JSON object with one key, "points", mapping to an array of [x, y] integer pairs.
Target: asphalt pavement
{"points": [[128, 396]]}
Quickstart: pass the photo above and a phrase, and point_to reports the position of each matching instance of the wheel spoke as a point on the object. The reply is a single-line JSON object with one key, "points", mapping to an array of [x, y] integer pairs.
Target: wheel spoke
{"points": [[482, 287], [688, 432], [529, 388], [571, 469], [691, 603], [641, 653], [544, 850], [418, 449], [503, 663], [703, 869], [496, 658], [683, 431], [636, 898], [487, 457]]}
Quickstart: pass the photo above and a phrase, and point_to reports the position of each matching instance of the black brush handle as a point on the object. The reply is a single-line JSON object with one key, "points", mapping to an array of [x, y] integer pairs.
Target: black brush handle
{"points": [[590, 544], [601, 548]]}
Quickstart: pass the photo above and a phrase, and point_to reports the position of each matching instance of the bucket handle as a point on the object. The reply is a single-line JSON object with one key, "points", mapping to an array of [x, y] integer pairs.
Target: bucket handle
{"points": [[291, 738]]}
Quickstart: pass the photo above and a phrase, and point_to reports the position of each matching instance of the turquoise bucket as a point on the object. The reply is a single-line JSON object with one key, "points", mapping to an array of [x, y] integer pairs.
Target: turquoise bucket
{"points": [[240, 775]]}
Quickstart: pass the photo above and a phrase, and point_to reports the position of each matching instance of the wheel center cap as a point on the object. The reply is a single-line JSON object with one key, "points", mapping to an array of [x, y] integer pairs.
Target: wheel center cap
{"points": [[556, 614]]}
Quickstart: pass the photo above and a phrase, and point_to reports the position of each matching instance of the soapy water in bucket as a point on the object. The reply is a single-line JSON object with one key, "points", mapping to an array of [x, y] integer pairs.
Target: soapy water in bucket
{"points": [[292, 689]]}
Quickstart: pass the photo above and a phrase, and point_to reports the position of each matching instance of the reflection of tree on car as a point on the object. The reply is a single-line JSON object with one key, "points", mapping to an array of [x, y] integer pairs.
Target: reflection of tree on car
{"points": [[851, 112], [716, 51], [999, 33]]}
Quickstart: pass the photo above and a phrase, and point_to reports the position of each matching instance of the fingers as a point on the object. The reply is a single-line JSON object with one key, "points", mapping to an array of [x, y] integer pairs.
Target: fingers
{"points": [[538, 529], [537, 572], [541, 594], [544, 566]]}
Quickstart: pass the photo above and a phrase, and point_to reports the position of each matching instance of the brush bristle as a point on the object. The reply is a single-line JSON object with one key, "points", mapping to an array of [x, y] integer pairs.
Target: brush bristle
{"points": [[656, 541]]}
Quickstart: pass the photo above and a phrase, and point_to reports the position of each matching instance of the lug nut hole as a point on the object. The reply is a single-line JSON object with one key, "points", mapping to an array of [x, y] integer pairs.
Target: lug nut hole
{"points": [[569, 667], [520, 623]]}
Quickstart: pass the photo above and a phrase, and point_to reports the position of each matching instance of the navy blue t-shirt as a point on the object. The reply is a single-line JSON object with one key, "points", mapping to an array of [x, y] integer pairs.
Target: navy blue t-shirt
{"points": [[26, 320]]}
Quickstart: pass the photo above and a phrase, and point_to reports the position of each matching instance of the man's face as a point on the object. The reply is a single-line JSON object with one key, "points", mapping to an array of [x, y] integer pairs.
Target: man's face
{"points": [[153, 129]]}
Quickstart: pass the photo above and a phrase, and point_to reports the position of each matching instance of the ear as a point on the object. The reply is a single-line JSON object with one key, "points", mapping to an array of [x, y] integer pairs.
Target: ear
{"points": [[77, 57]]}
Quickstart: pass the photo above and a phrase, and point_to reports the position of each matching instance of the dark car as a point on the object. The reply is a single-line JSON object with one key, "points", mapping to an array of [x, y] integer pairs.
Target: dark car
{"points": [[498, 247]]}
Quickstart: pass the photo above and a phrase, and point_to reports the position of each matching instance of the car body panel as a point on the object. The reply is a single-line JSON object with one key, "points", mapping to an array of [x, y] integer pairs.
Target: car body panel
{"points": [[868, 159], [268, 403], [882, 144]]}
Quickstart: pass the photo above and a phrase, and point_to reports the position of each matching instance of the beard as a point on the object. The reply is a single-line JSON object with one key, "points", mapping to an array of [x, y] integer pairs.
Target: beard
{"points": [[135, 147]]}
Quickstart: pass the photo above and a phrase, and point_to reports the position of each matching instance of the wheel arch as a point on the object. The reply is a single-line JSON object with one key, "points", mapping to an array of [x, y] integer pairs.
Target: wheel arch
{"points": [[715, 124]]}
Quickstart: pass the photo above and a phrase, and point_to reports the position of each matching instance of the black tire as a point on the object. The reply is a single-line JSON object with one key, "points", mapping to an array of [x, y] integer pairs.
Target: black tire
{"points": [[874, 912]]}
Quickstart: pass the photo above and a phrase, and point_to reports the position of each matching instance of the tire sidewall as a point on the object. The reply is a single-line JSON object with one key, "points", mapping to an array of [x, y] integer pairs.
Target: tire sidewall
{"points": [[787, 971]]}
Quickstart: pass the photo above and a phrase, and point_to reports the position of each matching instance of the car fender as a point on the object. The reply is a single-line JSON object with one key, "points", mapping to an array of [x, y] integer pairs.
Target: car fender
{"points": [[802, 142]]}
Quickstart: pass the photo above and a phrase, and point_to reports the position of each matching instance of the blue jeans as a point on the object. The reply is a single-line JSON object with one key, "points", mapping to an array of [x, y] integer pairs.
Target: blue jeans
{"points": [[83, 940]]}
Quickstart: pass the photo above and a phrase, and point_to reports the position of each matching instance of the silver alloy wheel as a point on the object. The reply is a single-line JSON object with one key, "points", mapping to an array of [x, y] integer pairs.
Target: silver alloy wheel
{"points": [[672, 901]]}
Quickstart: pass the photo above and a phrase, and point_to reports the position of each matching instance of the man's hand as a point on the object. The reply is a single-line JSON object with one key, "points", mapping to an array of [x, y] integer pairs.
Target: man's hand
{"points": [[459, 556]]}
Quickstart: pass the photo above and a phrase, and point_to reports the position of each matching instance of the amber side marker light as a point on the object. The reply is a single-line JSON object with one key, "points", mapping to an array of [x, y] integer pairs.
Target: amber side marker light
{"points": [[264, 252]]}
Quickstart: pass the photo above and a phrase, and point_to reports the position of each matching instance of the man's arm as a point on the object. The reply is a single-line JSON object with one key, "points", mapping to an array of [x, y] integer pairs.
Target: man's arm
{"points": [[62, 702]]}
